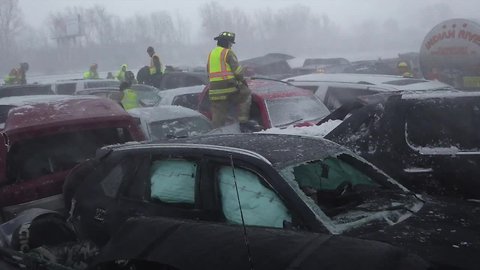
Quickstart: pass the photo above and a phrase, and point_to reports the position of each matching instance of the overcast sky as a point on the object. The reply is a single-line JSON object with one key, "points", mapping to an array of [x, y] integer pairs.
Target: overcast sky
{"points": [[343, 12]]}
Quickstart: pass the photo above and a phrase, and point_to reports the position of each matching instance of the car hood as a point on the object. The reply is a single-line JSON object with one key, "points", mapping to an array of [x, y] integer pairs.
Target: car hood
{"points": [[445, 232]]}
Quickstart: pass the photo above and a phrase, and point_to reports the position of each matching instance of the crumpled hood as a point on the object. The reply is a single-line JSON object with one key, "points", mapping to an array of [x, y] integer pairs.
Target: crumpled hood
{"points": [[446, 232]]}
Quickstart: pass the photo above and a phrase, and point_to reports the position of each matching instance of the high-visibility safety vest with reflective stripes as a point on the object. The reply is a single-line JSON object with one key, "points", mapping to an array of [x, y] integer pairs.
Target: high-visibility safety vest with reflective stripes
{"points": [[130, 99], [90, 75], [219, 70]]}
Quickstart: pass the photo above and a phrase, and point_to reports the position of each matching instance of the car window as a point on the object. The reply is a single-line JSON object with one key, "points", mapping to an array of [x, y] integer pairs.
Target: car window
{"points": [[288, 110], [435, 124], [188, 100], [337, 96], [173, 181], [260, 205], [312, 88], [329, 174], [45, 155], [101, 84], [66, 88], [180, 127], [111, 183]]}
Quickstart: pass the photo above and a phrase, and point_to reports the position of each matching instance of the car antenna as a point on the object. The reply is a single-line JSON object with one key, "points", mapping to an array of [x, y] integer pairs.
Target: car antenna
{"points": [[245, 235]]}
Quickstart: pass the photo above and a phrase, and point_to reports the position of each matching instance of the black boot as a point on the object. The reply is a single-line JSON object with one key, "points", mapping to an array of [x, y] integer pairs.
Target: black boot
{"points": [[250, 126]]}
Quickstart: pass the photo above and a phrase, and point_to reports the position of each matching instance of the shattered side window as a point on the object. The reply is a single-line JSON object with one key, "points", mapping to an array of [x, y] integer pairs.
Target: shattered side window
{"points": [[261, 206], [173, 181], [111, 183]]}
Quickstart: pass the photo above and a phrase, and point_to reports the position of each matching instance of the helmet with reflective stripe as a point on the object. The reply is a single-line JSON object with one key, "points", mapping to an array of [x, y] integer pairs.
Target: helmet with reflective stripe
{"points": [[228, 36]]}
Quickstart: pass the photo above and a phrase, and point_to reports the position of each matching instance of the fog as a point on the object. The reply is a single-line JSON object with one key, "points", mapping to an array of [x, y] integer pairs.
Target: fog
{"points": [[112, 33]]}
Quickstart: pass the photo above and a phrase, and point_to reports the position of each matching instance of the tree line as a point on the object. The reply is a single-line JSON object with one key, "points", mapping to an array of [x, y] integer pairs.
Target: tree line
{"points": [[111, 40]]}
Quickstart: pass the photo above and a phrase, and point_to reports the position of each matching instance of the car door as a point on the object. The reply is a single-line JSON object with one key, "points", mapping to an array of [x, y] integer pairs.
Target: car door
{"points": [[166, 184], [243, 194]]}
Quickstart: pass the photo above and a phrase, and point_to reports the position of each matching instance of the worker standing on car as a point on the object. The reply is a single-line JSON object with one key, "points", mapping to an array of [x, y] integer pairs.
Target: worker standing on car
{"points": [[228, 87], [91, 73], [121, 73], [404, 70], [129, 98], [155, 67], [17, 75]]}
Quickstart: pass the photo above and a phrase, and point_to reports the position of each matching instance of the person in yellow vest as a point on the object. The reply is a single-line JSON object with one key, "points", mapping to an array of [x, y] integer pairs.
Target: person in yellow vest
{"points": [[129, 99], [155, 66], [121, 73], [11, 78], [17, 75], [91, 73], [404, 70], [227, 89]]}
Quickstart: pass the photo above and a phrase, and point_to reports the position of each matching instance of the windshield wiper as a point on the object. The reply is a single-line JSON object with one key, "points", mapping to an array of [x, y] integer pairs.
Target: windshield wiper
{"points": [[291, 123]]}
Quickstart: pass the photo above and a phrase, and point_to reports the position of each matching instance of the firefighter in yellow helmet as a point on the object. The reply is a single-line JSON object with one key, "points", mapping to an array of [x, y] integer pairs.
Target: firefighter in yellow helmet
{"points": [[228, 88], [404, 70]]}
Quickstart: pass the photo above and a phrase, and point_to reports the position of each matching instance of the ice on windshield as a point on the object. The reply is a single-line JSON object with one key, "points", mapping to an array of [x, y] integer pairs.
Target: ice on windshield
{"points": [[182, 127], [290, 110]]}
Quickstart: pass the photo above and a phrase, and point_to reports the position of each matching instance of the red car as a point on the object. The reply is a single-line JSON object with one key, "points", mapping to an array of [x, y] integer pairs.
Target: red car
{"points": [[277, 104], [43, 137]]}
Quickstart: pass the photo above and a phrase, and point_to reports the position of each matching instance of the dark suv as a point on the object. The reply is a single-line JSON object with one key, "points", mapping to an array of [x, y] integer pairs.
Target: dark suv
{"points": [[429, 142]]}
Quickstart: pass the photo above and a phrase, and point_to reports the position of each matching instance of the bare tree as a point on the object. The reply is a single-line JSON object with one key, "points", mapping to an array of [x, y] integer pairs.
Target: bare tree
{"points": [[10, 24]]}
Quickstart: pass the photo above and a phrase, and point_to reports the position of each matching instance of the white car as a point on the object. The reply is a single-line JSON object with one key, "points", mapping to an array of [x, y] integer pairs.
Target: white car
{"points": [[70, 87], [340, 88], [184, 96], [166, 121]]}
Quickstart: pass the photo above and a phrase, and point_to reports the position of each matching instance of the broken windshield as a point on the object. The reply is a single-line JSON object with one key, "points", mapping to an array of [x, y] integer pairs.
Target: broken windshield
{"points": [[347, 193]]}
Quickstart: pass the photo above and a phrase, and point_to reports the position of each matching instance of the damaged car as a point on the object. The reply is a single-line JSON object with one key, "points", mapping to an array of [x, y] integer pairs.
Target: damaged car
{"points": [[44, 137], [278, 181], [276, 104], [429, 142], [40, 239], [168, 121]]}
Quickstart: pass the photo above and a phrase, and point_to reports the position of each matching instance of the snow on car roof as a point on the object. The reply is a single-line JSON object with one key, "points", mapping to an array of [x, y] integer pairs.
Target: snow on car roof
{"points": [[163, 112], [440, 94], [315, 131], [398, 82], [61, 109], [26, 100]]}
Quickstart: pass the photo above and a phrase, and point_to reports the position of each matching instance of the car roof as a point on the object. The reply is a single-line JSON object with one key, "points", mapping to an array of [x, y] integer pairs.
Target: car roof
{"points": [[397, 82], [26, 100], [280, 149], [271, 89], [62, 110], [163, 112], [196, 89], [440, 94]]}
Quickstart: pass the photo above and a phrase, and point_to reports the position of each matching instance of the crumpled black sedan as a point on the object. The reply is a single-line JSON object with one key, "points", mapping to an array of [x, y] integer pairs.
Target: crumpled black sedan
{"points": [[283, 181]]}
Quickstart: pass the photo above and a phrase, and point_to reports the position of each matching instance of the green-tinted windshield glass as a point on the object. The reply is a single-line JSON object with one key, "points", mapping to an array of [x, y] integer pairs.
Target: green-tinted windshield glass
{"points": [[329, 174]]}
